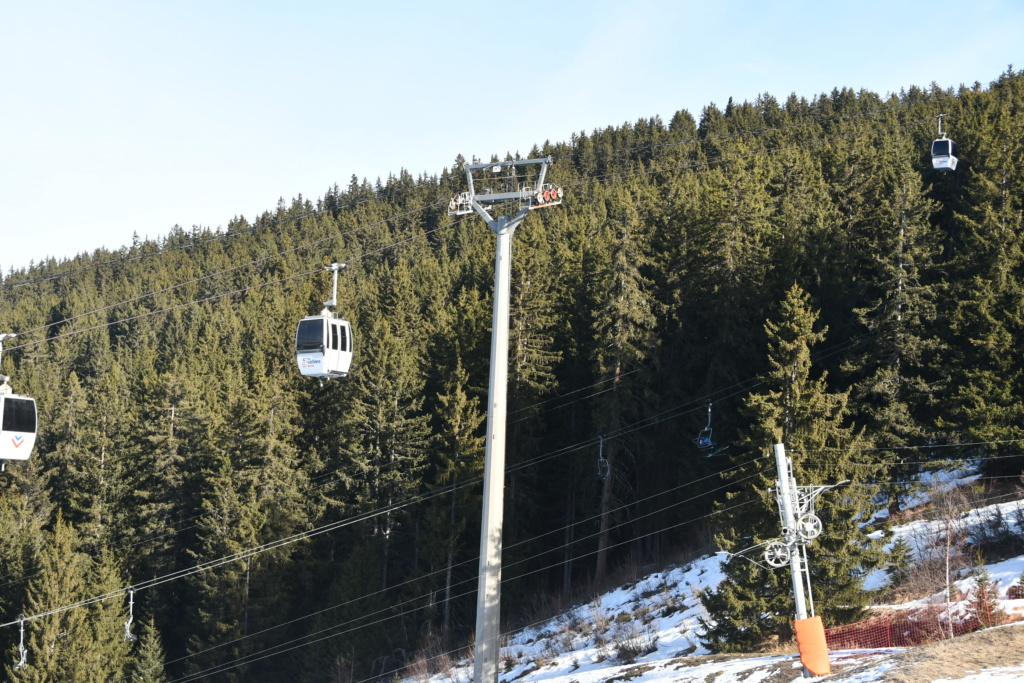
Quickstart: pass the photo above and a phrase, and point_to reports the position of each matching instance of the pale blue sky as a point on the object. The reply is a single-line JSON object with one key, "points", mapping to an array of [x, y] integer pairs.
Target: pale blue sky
{"points": [[122, 117]]}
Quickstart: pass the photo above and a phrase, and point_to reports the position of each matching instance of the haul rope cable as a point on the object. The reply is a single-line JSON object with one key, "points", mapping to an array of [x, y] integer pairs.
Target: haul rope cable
{"points": [[642, 423], [626, 429], [457, 583], [229, 665], [339, 470], [241, 555]]}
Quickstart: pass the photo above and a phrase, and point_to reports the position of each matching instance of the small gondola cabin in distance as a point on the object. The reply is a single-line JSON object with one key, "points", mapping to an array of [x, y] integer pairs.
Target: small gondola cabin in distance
{"points": [[323, 343], [944, 151]]}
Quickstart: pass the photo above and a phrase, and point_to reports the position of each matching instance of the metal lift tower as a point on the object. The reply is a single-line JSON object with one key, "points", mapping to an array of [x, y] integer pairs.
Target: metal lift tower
{"points": [[520, 188]]}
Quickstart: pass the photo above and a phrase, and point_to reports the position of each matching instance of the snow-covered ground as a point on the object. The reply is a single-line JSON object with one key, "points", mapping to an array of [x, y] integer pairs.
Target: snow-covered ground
{"points": [[649, 631]]}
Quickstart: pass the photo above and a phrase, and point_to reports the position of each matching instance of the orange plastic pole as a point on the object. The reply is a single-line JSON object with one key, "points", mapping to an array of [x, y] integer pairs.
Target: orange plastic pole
{"points": [[810, 639]]}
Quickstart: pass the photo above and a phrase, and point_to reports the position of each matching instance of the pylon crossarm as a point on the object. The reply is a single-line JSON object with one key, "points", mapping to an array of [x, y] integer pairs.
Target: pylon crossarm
{"points": [[528, 195], [499, 165]]}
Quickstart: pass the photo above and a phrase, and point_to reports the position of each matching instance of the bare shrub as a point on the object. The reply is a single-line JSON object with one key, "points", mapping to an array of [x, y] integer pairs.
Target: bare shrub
{"points": [[666, 600], [430, 659], [418, 669], [343, 669], [941, 546], [627, 573], [468, 654], [633, 639], [600, 620], [563, 639], [543, 606]]}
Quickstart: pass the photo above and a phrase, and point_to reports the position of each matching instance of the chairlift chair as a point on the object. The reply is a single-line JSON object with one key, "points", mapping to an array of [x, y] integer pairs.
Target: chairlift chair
{"points": [[703, 440], [603, 467], [704, 443]]}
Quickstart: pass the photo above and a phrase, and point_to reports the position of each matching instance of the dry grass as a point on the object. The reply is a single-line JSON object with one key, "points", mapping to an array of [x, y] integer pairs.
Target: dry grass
{"points": [[949, 659], [989, 649]]}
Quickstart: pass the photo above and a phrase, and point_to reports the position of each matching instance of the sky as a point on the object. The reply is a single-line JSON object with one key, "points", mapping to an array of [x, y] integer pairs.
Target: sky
{"points": [[123, 118]]}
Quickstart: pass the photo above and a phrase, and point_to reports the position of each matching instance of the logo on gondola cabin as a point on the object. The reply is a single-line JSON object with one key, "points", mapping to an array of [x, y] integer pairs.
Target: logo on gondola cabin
{"points": [[17, 441]]}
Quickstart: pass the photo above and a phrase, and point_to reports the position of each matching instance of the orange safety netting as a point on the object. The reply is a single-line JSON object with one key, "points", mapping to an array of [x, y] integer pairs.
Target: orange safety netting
{"points": [[917, 626]]}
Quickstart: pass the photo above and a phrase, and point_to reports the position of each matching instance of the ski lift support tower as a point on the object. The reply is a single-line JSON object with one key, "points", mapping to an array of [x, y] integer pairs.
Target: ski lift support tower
{"points": [[800, 526], [522, 190]]}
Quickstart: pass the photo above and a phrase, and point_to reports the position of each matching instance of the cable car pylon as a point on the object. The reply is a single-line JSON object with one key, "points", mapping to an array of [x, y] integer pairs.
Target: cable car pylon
{"points": [[525, 194]]}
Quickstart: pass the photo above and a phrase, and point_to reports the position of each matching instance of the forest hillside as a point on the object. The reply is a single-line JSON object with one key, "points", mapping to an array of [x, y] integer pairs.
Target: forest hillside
{"points": [[777, 271]]}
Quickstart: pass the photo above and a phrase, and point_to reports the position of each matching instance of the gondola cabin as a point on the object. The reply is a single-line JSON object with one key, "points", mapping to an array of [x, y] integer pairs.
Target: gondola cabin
{"points": [[17, 424], [944, 154], [323, 346]]}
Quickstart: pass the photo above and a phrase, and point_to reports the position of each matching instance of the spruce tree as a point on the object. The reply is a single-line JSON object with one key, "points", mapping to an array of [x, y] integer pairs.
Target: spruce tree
{"points": [[147, 662], [79, 644], [986, 293], [797, 409], [624, 334], [390, 436], [896, 386], [457, 457]]}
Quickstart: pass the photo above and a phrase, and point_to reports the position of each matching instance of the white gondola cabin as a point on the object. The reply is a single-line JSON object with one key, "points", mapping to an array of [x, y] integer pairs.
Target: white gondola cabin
{"points": [[18, 421], [944, 155], [944, 151], [323, 343], [17, 424]]}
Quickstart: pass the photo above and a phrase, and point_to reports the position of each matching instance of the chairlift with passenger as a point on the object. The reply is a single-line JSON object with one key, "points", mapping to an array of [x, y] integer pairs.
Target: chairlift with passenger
{"points": [[703, 441]]}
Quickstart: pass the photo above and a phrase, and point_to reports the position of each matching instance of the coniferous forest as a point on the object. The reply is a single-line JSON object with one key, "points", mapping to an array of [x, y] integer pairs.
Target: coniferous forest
{"points": [[797, 265]]}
